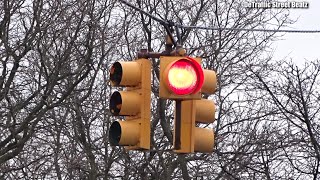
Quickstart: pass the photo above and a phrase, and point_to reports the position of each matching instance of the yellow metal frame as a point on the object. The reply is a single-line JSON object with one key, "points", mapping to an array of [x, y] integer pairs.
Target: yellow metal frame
{"points": [[144, 117], [187, 127]]}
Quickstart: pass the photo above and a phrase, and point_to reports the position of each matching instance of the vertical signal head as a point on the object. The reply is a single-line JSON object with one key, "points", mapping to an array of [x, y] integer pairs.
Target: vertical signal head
{"points": [[133, 103]]}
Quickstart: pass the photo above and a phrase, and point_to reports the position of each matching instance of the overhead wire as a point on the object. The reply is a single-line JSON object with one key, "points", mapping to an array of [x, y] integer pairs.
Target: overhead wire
{"points": [[246, 29], [166, 23], [145, 13]]}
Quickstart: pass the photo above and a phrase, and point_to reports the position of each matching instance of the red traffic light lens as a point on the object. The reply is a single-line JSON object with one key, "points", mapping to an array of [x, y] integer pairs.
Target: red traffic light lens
{"points": [[185, 76]]}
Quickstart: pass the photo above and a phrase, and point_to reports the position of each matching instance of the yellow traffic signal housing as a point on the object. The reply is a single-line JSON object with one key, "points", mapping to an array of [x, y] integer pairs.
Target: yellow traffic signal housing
{"points": [[133, 103], [192, 138], [180, 77], [187, 137]]}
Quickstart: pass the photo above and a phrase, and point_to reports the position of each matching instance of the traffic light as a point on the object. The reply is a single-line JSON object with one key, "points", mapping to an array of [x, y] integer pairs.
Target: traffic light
{"points": [[183, 80], [133, 103]]}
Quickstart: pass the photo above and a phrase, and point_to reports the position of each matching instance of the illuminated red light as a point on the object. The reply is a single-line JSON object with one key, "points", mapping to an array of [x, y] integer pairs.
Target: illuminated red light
{"points": [[185, 76]]}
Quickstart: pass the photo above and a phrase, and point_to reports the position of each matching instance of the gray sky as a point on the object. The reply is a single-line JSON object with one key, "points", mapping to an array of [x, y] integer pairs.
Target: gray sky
{"points": [[299, 46]]}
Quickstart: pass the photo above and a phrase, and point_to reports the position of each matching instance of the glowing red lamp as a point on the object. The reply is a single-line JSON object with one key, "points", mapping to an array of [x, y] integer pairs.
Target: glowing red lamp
{"points": [[184, 76]]}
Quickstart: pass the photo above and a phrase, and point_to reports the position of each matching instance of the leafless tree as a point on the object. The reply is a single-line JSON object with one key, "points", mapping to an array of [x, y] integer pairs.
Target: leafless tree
{"points": [[295, 97], [54, 92], [51, 55]]}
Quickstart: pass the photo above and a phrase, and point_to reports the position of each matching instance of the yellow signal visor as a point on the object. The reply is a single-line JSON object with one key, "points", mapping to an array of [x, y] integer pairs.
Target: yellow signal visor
{"points": [[125, 74], [205, 111], [124, 133], [210, 82], [204, 140], [125, 103]]}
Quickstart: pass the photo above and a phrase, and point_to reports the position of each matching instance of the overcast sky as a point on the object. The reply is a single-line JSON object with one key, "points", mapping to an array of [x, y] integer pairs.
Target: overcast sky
{"points": [[299, 46]]}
